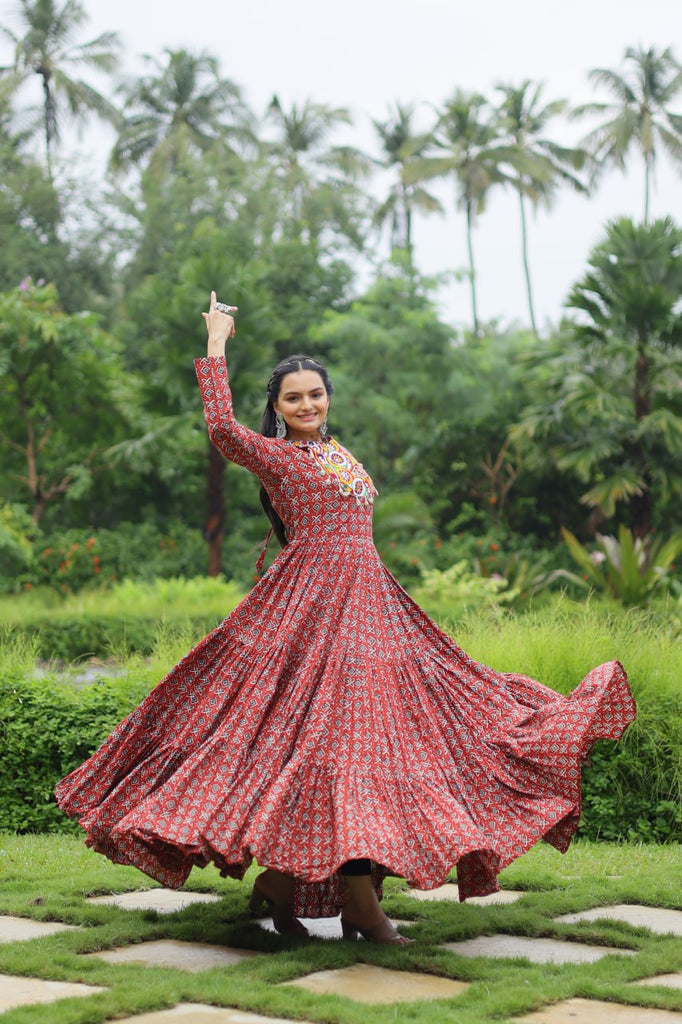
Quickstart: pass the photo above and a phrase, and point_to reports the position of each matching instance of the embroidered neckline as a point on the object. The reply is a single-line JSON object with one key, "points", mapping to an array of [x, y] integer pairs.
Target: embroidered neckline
{"points": [[332, 460]]}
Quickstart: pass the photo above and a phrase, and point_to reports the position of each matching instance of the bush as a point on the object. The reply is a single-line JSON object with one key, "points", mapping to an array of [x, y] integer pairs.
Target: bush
{"points": [[47, 730], [71, 560]]}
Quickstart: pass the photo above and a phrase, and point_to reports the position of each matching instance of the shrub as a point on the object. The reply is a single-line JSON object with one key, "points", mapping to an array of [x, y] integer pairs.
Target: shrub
{"points": [[71, 560]]}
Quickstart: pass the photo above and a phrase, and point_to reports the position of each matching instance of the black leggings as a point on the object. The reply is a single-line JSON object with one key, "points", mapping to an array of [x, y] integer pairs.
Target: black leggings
{"points": [[361, 866]]}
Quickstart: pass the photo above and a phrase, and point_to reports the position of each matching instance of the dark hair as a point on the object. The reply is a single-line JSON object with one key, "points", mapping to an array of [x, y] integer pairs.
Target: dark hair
{"points": [[268, 427]]}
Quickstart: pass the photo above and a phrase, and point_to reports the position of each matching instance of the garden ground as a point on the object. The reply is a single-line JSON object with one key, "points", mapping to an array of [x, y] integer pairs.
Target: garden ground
{"points": [[196, 956]]}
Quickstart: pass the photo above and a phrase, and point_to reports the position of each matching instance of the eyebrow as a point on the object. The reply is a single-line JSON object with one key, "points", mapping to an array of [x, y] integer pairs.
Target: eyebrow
{"points": [[292, 394]]}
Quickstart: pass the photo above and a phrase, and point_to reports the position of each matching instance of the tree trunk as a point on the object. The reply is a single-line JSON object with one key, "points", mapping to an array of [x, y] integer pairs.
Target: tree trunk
{"points": [[214, 525], [472, 269], [647, 185], [642, 505], [48, 104], [407, 213], [526, 265]]}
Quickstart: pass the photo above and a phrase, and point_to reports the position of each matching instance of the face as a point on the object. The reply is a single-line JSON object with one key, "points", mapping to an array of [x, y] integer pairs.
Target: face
{"points": [[303, 402]]}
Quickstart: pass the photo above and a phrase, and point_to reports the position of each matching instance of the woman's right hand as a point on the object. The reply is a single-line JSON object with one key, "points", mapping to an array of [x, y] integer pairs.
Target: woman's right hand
{"points": [[220, 326]]}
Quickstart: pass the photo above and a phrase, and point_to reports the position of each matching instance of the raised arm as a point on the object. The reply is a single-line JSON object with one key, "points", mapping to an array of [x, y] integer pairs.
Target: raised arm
{"points": [[264, 456]]}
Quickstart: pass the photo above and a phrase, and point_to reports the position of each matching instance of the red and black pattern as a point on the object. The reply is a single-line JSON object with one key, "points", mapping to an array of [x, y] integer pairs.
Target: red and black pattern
{"points": [[328, 718]]}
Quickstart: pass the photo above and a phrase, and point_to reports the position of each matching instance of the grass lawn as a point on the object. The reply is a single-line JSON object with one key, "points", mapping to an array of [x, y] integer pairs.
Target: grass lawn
{"points": [[48, 877]]}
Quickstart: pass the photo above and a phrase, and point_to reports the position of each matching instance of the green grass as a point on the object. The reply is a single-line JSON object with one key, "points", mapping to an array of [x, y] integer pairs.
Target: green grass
{"points": [[48, 878], [164, 598]]}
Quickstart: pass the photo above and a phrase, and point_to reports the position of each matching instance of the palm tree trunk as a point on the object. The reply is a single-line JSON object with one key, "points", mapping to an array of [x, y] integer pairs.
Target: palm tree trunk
{"points": [[526, 265], [407, 213], [472, 268], [647, 185], [642, 504], [48, 112]]}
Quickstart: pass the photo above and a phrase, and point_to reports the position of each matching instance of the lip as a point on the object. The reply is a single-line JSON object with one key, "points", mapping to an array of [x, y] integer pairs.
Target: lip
{"points": [[312, 416]]}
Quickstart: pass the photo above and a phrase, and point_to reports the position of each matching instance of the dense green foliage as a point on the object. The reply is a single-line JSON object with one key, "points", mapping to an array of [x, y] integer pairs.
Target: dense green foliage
{"points": [[484, 445]]}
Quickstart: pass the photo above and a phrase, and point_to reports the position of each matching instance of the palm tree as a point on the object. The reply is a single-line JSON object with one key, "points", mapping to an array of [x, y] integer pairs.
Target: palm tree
{"points": [[402, 146], [318, 179], [183, 106], [467, 148], [608, 403], [640, 115], [537, 164], [47, 49]]}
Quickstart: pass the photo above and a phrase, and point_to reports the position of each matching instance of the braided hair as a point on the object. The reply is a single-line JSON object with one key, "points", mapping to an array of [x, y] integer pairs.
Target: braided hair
{"points": [[268, 427]]}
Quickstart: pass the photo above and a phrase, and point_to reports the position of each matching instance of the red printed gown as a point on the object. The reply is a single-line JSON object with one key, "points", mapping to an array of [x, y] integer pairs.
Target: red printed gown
{"points": [[328, 718]]}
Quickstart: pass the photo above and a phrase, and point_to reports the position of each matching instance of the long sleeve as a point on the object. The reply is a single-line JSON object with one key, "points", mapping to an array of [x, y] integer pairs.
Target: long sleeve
{"points": [[264, 456]]}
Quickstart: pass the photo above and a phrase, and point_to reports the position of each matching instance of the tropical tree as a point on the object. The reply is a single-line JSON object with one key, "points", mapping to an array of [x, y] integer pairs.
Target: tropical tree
{"points": [[402, 145], [537, 164], [466, 147], [318, 181], [640, 116], [47, 49], [51, 442], [609, 406], [183, 107]]}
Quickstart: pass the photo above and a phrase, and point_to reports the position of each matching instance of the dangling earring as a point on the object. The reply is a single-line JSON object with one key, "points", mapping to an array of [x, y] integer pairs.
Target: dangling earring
{"points": [[323, 428], [281, 431]]}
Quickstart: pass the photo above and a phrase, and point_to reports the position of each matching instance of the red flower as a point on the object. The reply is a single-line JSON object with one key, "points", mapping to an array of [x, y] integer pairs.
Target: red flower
{"points": [[27, 585], [494, 547]]}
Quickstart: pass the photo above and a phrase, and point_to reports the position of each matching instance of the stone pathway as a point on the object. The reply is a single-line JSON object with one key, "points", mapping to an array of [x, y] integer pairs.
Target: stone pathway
{"points": [[16, 991], [368, 984], [451, 892], [16, 929], [185, 956], [539, 951], [163, 901], [364, 983], [656, 919], [197, 1013], [593, 1011]]}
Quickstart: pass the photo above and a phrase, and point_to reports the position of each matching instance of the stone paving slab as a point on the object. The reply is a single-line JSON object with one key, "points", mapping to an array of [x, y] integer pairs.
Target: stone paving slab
{"points": [[24, 991], [322, 927], [668, 980], [539, 951], [185, 956], [593, 1011], [656, 919], [199, 1013], [18, 929], [367, 984], [449, 891], [163, 901]]}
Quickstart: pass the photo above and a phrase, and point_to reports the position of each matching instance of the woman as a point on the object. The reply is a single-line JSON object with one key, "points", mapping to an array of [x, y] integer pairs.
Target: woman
{"points": [[327, 727]]}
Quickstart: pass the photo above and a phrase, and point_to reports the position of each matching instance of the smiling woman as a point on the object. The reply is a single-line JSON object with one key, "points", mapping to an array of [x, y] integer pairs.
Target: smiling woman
{"points": [[327, 727], [302, 403]]}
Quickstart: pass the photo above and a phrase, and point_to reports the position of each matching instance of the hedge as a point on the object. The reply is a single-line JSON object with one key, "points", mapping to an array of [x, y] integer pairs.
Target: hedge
{"points": [[631, 789], [69, 638]]}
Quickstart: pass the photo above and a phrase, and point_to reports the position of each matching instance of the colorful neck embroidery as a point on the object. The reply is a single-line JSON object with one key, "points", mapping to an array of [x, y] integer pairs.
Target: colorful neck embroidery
{"points": [[350, 475]]}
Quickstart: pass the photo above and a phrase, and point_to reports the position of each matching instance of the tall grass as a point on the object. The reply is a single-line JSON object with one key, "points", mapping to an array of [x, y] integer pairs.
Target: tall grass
{"points": [[160, 599]]}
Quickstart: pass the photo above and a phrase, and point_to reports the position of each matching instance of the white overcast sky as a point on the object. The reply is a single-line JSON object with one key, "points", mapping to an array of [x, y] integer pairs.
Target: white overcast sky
{"points": [[365, 54]]}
